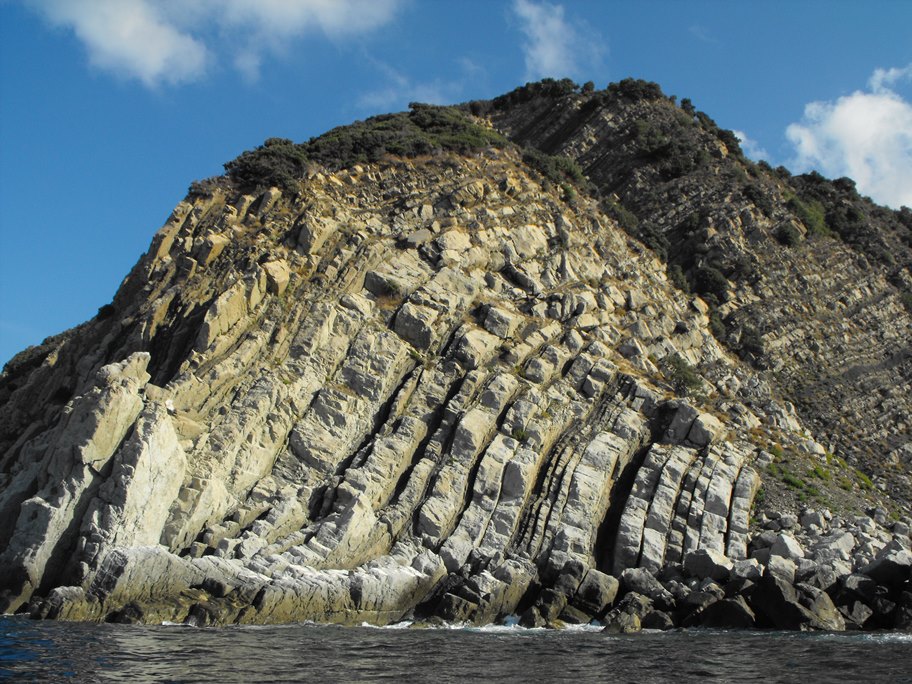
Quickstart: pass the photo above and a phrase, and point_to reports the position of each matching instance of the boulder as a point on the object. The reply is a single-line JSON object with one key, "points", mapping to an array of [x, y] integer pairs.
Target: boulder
{"points": [[415, 324], [705, 563], [627, 616], [574, 616], [277, 276], [821, 606], [747, 569], [787, 546], [501, 322], [740, 587], [811, 519], [704, 430], [891, 567], [596, 592], [902, 617], [658, 619], [858, 587], [570, 577], [550, 604], [782, 568], [697, 601], [730, 613], [622, 623], [776, 603], [837, 545], [856, 614], [681, 423], [823, 577], [641, 581]]}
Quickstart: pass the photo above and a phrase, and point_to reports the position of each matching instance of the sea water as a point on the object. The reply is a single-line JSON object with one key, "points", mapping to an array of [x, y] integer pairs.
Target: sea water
{"points": [[76, 652]]}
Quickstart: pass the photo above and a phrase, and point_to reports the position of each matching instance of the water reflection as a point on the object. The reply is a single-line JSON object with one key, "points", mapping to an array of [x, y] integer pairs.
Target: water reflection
{"points": [[53, 651]]}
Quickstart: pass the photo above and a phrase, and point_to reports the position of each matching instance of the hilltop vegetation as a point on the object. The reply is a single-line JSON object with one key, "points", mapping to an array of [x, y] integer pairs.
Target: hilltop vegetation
{"points": [[423, 130]]}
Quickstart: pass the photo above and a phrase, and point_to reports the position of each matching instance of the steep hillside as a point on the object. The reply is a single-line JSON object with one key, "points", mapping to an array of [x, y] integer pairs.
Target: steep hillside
{"points": [[809, 282], [418, 367]]}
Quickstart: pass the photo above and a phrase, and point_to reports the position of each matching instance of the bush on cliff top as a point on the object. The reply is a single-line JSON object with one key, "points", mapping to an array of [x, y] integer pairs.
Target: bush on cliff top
{"points": [[425, 129], [554, 167]]}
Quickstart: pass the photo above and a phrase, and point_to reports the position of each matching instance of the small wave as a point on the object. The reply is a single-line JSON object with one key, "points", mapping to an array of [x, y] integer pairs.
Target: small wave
{"points": [[404, 624]]}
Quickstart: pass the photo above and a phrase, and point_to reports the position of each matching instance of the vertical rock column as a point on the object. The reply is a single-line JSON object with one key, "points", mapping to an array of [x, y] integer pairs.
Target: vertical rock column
{"points": [[76, 460]]}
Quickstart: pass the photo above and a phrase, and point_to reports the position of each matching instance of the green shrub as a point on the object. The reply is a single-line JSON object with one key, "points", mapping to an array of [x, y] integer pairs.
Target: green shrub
{"points": [[626, 219], [278, 161], [731, 142], [105, 311], [756, 193], [677, 277], [788, 235], [709, 280], [811, 213], [555, 168], [684, 377], [751, 341], [519, 434], [548, 88], [821, 473], [652, 142], [792, 481], [906, 299], [425, 129], [635, 89], [568, 192], [716, 326]]}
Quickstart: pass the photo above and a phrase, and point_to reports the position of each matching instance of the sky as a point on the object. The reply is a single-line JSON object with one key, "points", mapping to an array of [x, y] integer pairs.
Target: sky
{"points": [[110, 108]]}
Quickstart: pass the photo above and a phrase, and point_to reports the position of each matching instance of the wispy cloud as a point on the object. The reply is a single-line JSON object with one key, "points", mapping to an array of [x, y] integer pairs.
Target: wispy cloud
{"points": [[751, 147], [168, 42], [398, 89], [882, 79], [866, 135], [554, 45], [701, 33]]}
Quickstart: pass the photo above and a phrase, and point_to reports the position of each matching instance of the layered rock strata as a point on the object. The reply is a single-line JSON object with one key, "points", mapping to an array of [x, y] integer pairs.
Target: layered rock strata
{"points": [[828, 319], [451, 388], [426, 384]]}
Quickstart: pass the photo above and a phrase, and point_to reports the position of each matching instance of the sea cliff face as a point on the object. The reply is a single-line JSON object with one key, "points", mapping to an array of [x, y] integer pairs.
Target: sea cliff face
{"points": [[447, 386]]}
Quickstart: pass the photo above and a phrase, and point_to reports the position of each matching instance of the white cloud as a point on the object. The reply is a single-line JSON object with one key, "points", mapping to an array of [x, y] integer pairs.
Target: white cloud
{"points": [[554, 47], [174, 41], [750, 147], [865, 135], [129, 38]]}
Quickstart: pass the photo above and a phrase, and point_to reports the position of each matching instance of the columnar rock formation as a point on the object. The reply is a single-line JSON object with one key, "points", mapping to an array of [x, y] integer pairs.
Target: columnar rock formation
{"points": [[423, 386]]}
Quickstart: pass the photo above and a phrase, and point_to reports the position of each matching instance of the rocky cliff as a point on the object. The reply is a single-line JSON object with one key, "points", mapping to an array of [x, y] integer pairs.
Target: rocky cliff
{"points": [[466, 363]]}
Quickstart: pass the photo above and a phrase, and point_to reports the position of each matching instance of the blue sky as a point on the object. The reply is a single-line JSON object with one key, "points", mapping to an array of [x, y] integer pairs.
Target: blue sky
{"points": [[110, 108]]}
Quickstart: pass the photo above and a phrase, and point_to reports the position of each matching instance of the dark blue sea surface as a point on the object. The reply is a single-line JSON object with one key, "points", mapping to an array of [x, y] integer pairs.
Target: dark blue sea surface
{"points": [[75, 652]]}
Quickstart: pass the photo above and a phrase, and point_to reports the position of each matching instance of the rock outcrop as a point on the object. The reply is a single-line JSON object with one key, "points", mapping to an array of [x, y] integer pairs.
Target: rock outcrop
{"points": [[431, 387]]}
